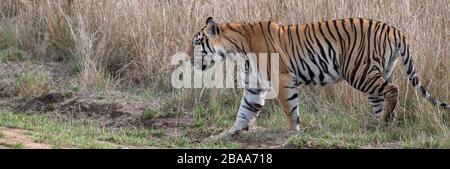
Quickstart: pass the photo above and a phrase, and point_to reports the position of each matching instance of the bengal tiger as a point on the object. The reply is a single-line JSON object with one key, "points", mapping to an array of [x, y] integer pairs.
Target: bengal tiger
{"points": [[362, 52]]}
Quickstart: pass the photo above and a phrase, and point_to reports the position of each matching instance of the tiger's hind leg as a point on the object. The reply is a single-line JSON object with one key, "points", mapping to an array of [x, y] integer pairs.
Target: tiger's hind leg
{"points": [[389, 92], [381, 92], [377, 103]]}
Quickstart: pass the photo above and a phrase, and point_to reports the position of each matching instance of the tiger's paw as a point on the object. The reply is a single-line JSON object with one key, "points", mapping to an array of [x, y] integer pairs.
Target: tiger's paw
{"points": [[233, 132], [388, 118]]}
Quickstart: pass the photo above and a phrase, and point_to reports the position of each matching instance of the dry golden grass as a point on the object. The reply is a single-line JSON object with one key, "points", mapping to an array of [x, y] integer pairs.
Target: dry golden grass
{"points": [[129, 43]]}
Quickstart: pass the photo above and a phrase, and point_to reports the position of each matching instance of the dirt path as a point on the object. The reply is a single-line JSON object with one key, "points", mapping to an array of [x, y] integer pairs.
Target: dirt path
{"points": [[12, 138], [15, 138]]}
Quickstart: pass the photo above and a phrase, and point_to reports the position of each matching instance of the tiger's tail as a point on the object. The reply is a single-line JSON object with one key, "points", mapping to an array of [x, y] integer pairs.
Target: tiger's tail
{"points": [[403, 48]]}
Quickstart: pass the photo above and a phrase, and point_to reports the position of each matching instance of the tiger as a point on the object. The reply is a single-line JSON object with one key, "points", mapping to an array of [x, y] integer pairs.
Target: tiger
{"points": [[362, 52]]}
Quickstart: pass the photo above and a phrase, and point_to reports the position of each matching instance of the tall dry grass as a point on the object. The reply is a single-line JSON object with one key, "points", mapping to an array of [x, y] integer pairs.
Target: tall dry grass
{"points": [[129, 43]]}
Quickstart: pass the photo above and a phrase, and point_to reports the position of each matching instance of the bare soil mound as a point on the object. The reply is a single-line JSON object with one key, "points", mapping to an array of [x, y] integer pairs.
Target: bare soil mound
{"points": [[43, 103], [114, 112]]}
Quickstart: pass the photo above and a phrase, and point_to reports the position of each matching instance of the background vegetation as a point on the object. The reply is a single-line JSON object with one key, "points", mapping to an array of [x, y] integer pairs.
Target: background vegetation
{"points": [[108, 46]]}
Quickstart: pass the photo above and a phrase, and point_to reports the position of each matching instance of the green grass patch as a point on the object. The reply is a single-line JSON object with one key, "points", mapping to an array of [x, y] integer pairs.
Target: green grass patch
{"points": [[215, 111], [32, 83], [79, 134], [6, 35], [18, 146], [307, 141], [12, 54]]}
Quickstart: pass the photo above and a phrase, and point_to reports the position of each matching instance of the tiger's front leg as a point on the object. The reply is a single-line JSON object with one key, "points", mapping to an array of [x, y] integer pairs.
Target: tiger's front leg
{"points": [[288, 99], [251, 103]]}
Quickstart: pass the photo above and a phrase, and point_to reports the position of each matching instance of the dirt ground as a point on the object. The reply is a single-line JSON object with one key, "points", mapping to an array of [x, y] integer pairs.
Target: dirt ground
{"points": [[111, 114], [112, 111], [15, 138]]}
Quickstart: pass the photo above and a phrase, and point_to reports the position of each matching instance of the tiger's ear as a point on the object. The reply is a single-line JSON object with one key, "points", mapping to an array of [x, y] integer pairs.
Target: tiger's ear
{"points": [[212, 29]]}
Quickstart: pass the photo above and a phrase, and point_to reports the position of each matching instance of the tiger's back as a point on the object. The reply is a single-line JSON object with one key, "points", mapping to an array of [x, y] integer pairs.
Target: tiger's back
{"points": [[323, 52]]}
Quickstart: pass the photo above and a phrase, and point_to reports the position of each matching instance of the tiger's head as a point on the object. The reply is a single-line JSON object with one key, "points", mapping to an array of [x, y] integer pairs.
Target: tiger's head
{"points": [[207, 46]]}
